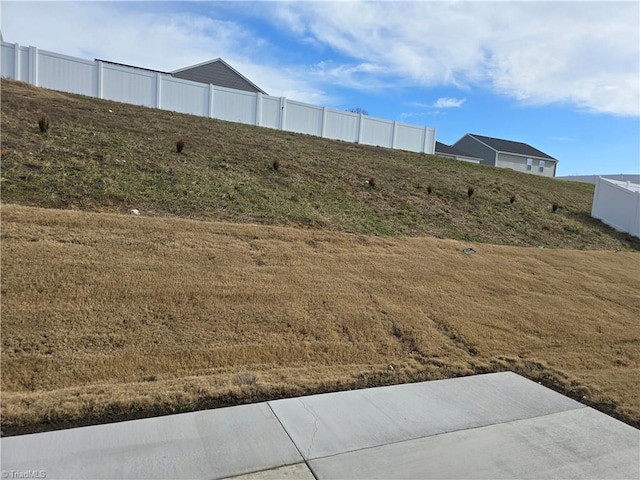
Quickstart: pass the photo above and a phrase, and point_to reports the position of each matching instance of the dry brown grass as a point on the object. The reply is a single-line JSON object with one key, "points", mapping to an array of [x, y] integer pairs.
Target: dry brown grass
{"points": [[108, 317]]}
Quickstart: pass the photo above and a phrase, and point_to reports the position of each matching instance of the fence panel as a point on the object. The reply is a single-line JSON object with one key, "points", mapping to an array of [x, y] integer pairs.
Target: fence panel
{"points": [[409, 137], [8, 60], [303, 118], [376, 131], [342, 125], [184, 96], [234, 105], [271, 111], [617, 205], [25, 66], [67, 74], [129, 85]]}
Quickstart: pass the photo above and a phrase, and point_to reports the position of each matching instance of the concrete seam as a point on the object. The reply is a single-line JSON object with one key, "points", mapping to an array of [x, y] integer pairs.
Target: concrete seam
{"points": [[306, 462]]}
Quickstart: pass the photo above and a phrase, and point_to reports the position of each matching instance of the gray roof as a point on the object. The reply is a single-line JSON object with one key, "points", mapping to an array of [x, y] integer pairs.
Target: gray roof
{"points": [[132, 66], [508, 146], [449, 150], [217, 72]]}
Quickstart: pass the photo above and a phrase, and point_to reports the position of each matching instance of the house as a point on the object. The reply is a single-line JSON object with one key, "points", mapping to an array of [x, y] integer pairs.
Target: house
{"points": [[216, 72], [508, 154], [448, 151], [219, 73]]}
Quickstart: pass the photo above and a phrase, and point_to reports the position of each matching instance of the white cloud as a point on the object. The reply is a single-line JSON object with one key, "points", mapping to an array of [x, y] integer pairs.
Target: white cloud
{"points": [[582, 53], [448, 102], [349, 75]]}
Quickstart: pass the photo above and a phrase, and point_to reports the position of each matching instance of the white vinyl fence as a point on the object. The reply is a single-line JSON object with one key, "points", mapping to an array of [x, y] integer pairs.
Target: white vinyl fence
{"points": [[158, 90], [622, 177], [617, 204]]}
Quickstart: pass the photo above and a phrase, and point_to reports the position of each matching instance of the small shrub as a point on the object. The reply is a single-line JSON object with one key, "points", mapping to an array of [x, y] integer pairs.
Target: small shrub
{"points": [[512, 199], [554, 207], [429, 189], [470, 191], [180, 145], [43, 123], [547, 228], [371, 182], [275, 165]]}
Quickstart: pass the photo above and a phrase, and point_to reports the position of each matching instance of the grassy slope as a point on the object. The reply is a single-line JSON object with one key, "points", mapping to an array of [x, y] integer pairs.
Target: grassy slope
{"points": [[110, 317], [106, 156]]}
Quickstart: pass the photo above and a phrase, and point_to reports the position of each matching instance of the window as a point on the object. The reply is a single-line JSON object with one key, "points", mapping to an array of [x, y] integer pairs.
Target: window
{"points": [[529, 164], [541, 167]]}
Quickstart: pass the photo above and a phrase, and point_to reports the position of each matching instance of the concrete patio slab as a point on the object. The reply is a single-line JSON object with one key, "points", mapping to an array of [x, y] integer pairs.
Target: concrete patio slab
{"points": [[333, 423], [207, 444], [488, 426], [581, 443], [299, 471]]}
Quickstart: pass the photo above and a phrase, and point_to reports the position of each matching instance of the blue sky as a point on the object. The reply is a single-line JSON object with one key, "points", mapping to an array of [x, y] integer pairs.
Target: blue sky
{"points": [[562, 76]]}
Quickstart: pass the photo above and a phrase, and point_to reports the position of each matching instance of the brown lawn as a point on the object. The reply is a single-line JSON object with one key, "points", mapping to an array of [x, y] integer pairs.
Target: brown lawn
{"points": [[108, 317]]}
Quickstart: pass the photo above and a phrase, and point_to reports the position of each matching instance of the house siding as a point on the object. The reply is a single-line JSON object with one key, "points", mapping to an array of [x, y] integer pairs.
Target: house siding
{"points": [[519, 163], [459, 157], [485, 154], [218, 74]]}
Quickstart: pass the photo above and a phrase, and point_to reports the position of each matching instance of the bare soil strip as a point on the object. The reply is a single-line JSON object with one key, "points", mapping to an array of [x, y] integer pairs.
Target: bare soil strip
{"points": [[108, 317]]}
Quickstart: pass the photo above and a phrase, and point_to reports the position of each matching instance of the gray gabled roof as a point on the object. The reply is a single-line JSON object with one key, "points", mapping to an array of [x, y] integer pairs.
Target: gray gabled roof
{"points": [[217, 72], [449, 150], [508, 146]]}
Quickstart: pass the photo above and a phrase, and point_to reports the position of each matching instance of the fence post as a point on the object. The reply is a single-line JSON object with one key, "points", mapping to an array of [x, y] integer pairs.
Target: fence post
{"points": [[100, 92], [16, 61], [432, 141], [426, 138], [595, 205], [211, 94], [394, 134], [158, 89], [360, 127], [429, 140], [33, 66], [323, 129], [283, 112], [258, 121], [635, 229]]}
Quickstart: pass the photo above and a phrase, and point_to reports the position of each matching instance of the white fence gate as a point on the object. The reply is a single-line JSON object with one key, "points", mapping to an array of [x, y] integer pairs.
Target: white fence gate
{"points": [[157, 90], [617, 204]]}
